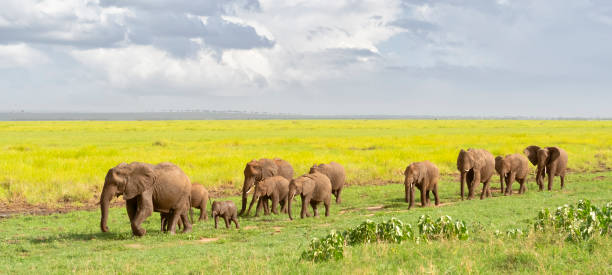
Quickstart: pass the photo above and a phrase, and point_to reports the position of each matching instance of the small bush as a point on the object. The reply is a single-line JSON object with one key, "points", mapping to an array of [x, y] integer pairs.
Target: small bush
{"points": [[443, 227], [392, 231], [578, 222]]}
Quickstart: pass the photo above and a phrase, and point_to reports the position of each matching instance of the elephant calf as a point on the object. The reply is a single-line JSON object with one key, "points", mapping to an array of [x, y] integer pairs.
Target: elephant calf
{"points": [[227, 210], [314, 189], [424, 175], [274, 188], [510, 168], [335, 172], [476, 166]]}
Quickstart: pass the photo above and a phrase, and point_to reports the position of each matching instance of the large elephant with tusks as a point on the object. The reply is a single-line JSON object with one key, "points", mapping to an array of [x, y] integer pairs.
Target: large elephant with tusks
{"points": [[145, 187], [258, 170]]}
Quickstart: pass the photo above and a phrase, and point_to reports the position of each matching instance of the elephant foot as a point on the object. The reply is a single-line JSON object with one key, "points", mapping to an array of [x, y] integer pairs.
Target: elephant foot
{"points": [[140, 232], [187, 230]]}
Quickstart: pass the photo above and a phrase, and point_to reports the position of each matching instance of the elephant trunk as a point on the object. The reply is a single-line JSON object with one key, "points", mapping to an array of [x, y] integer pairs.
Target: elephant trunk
{"points": [[107, 194], [501, 181], [246, 187], [463, 178], [290, 196]]}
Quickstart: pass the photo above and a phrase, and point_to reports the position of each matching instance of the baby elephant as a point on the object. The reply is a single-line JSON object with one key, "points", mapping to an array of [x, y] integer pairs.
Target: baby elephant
{"points": [[510, 168], [424, 175], [227, 210], [199, 199]]}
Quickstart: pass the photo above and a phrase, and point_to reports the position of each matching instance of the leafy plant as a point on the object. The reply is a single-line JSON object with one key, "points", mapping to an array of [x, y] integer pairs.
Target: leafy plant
{"points": [[330, 247], [443, 227], [578, 222], [392, 231]]}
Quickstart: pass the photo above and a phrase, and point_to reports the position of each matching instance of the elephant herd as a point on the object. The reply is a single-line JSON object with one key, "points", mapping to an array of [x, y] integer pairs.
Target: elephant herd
{"points": [[166, 189]]}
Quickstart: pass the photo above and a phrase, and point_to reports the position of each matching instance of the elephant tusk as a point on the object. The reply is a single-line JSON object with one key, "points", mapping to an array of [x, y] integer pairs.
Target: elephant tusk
{"points": [[467, 170], [249, 189]]}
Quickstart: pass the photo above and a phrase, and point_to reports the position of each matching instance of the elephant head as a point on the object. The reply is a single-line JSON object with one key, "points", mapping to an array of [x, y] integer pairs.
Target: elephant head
{"points": [[541, 157], [315, 168], [255, 171], [124, 179], [299, 186], [413, 174]]}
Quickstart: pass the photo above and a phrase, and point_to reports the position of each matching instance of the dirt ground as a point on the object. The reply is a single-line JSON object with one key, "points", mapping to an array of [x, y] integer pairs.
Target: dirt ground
{"points": [[8, 209]]}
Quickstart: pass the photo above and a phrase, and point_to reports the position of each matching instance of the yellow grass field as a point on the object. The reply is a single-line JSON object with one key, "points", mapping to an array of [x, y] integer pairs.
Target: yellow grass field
{"points": [[56, 162]]}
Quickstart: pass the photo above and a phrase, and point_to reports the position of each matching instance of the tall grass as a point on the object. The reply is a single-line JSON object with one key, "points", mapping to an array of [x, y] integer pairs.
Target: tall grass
{"points": [[49, 162]]}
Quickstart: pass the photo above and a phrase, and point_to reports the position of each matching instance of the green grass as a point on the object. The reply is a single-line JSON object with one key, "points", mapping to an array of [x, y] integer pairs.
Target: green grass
{"points": [[73, 242], [57, 162]]}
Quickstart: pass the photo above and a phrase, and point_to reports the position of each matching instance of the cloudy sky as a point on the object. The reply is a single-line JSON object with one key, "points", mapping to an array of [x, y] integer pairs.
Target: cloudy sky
{"points": [[397, 57]]}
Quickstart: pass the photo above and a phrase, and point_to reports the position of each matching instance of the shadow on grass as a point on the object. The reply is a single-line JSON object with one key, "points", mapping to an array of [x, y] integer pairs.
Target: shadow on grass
{"points": [[82, 237]]}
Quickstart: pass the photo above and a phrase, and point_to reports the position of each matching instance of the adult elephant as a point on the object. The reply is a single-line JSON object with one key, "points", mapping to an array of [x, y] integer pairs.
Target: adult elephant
{"points": [[314, 189], [258, 170], [146, 188], [476, 166], [336, 174], [512, 168], [549, 160]]}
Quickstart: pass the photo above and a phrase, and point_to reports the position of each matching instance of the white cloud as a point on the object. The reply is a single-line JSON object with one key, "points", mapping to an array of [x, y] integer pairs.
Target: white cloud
{"points": [[20, 55]]}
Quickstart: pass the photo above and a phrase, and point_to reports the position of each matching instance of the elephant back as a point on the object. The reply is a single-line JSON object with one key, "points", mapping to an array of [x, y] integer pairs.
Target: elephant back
{"points": [[285, 169]]}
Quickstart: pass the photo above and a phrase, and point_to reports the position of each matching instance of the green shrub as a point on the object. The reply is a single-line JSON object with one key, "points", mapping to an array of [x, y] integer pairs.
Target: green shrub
{"points": [[392, 231], [443, 227], [578, 222]]}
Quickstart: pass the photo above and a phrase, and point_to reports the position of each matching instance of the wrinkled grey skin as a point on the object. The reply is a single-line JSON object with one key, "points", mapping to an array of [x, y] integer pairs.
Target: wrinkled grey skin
{"points": [[512, 168], [476, 166], [226, 210], [551, 161], [275, 189], [146, 188], [336, 174], [424, 175], [313, 189], [258, 170]]}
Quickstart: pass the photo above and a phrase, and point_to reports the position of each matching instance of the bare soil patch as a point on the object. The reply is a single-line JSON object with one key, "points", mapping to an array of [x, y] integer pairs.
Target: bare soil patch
{"points": [[375, 208], [250, 227], [134, 246], [8, 209], [207, 240]]}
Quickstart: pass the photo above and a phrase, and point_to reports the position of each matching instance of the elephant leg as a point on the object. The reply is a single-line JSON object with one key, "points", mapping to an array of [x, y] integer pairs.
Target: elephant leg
{"points": [[274, 204], [235, 220], [251, 204], [175, 216], [313, 204], [407, 192], [562, 181], [266, 207], [435, 193], [427, 197], [259, 206], [423, 198], [327, 203], [186, 223], [551, 177], [511, 179], [131, 206], [338, 199], [411, 194], [305, 202], [216, 221], [227, 222], [203, 215], [144, 210], [163, 221]]}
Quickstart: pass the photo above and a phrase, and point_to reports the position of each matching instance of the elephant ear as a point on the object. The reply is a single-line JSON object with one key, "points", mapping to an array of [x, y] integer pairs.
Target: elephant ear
{"points": [[139, 179], [532, 154], [553, 154]]}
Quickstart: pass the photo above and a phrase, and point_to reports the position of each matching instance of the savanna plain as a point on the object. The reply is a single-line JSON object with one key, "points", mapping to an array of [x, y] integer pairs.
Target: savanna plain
{"points": [[53, 164]]}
